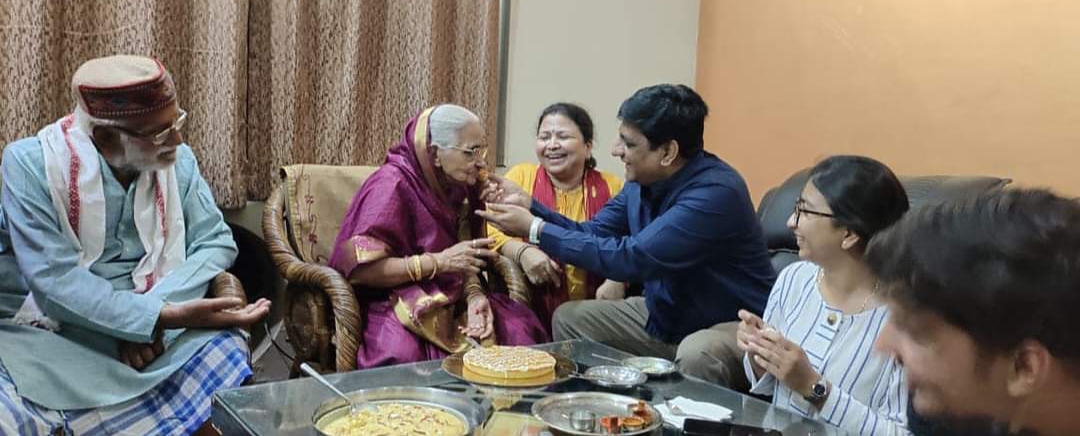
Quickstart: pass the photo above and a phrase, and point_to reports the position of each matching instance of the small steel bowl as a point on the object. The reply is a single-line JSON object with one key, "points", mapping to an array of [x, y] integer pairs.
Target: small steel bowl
{"points": [[583, 420], [651, 366], [615, 376]]}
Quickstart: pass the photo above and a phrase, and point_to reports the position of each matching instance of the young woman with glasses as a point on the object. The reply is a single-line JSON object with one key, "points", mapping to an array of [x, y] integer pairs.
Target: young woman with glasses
{"points": [[812, 352]]}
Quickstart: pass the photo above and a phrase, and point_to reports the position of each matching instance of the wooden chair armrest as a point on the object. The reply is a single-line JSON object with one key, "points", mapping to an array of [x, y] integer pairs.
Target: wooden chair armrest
{"points": [[227, 285], [346, 308]]}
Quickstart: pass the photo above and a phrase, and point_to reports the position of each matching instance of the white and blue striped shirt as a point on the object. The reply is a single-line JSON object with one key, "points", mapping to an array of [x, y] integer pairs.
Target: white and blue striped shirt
{"points": [[869, 395]]}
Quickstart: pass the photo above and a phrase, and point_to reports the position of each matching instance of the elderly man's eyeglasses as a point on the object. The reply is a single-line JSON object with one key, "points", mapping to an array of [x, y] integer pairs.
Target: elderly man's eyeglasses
{"points": [[159, 138], [800, 209], [477, 154]]}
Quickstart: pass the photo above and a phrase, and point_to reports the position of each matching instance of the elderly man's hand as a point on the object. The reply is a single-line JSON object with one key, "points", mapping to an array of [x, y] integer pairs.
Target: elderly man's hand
{"points": [[212, 313], [502, 191], [510, 219], [140, 356]]}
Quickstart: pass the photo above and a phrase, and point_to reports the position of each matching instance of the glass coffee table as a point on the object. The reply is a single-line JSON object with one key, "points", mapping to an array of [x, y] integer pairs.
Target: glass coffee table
{"points": [[287, 407]]}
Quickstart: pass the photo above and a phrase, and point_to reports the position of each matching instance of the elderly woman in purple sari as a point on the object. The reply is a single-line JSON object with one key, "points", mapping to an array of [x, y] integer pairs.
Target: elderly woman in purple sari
{"points": [[413, 249]]}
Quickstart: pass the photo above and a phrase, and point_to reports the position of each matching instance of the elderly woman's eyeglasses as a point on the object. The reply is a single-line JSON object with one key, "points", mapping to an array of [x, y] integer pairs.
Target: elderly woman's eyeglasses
{"points": [[800, 209], [159, 138], [476, 154]]}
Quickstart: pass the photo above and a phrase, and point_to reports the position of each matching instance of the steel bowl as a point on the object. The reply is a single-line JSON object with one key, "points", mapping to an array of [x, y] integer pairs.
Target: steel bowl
{"points": [[459, 405], [652, 366], [615, 376]]}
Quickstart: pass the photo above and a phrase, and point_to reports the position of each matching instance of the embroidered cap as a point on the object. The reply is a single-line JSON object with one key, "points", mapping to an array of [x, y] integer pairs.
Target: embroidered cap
{"points": [[122, 86]]}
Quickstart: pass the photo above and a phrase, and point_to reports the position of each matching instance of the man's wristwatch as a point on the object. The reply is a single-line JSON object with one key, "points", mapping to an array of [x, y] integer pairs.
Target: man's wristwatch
{"points": [[818, 391]]}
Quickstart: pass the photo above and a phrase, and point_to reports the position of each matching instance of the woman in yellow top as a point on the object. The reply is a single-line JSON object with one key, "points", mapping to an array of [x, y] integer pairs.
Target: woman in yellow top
{"points": [[567, 182]]}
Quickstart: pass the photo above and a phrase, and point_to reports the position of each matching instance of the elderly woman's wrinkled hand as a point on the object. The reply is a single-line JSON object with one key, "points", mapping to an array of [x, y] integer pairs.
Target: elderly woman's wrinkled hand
{"points": [[480, 322], [502, 191], [539, 268], [511, 219], [465, 256]]}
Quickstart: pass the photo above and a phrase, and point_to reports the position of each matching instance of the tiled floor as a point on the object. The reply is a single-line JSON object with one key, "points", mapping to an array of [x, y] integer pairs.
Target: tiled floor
{"points": [[269, 363]]}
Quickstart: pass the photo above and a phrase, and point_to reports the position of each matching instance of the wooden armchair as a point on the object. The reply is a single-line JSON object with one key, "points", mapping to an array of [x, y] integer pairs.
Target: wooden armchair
{"points": [[227, 285], [301, 219]]}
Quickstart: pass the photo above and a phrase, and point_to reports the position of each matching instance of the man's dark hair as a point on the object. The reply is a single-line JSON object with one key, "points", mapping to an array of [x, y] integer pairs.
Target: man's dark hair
{"points": [[577, 115], [666, 112], [864, 194], [1003, 266]]}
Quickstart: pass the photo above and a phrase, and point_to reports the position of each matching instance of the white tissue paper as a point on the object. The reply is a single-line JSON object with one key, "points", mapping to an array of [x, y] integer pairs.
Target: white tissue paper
{"points": [[692, 409]]}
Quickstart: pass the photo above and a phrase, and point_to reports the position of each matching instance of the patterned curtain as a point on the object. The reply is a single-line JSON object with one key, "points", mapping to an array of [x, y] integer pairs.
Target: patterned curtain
{"points": [[335, 82], [203, 44], [267, 82]]}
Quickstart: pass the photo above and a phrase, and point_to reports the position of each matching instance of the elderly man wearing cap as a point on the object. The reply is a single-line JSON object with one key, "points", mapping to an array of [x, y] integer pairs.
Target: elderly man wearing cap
{"points": [[109, 237]]}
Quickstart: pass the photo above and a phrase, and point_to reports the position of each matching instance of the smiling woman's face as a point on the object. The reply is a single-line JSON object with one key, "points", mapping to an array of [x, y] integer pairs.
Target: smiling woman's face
{"points": [[561, 147]]}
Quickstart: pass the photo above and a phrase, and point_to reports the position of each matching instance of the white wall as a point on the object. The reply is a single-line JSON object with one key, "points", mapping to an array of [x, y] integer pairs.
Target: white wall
{"points": [[594, 53]]}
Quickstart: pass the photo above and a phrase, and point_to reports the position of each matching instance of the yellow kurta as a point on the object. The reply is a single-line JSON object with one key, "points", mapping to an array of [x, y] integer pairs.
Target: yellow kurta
{"points": [[570, 204]]}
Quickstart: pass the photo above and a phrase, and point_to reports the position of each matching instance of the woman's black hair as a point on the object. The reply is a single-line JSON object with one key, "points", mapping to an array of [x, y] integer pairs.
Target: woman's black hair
{"points": [[864, 194]]}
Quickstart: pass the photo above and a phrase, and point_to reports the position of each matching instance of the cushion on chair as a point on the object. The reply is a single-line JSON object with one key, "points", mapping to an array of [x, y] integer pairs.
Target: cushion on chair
{"points": [[778, 203], [775, 208], [317, 198], [935, 189]]}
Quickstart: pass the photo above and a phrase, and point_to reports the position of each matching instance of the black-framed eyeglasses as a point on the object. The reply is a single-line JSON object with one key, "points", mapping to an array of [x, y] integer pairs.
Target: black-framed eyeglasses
{"points": [[159, 138], [800, 209]]}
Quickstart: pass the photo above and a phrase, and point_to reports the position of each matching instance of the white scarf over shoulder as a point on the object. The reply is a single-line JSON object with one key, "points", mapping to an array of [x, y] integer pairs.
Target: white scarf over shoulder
{"points": [[74, 175]]}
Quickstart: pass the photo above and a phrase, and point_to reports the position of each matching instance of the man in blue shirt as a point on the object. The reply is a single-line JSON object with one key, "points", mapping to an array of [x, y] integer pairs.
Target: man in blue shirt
{"points": [[683, 225]]}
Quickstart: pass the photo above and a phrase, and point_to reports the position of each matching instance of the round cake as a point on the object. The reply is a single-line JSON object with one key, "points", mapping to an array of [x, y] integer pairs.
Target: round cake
{"points": [[509, 362]]}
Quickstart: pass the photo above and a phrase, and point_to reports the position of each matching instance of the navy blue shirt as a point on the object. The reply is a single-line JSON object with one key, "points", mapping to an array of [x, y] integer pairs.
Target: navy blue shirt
{"points": [[693, 240]]}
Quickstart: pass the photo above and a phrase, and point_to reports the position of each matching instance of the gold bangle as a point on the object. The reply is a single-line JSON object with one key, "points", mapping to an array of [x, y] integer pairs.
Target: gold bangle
{"points": [[434, 266], [521, 250], [473, 288], [419, 268], [408, 269]]}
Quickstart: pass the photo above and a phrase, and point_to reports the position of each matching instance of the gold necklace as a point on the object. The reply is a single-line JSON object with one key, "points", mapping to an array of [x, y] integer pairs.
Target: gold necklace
{"points": [[862, 307]]}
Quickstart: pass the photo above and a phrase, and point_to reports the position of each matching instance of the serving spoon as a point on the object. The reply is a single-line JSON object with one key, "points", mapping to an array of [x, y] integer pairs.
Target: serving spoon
{"points": [[355, 407]]}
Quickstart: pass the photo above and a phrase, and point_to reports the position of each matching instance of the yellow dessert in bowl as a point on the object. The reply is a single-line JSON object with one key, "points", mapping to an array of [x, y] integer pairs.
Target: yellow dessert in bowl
{"points": [[393, 419]]}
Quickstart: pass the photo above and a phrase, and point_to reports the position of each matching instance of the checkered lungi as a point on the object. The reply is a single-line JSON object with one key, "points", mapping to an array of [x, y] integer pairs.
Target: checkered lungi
{"points": [[177, 406]]}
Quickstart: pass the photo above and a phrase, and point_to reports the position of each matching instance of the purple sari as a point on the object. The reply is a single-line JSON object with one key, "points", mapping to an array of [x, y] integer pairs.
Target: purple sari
{"points": [[406, 208]]}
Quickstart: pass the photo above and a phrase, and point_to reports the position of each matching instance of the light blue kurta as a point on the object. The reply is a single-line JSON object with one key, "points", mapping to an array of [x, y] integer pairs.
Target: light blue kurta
{"points": [[79, 367]]}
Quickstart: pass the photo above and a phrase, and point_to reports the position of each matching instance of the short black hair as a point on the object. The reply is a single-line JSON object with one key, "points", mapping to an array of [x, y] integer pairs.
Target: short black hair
{"points": [[666, 112], [579, 116], [1003, 266], [863, 193]]}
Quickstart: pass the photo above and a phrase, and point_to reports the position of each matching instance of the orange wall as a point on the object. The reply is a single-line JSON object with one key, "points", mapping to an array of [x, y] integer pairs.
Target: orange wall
{"points": [[928, 87]]}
